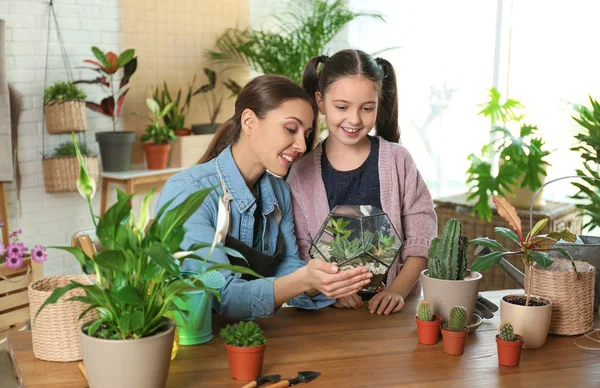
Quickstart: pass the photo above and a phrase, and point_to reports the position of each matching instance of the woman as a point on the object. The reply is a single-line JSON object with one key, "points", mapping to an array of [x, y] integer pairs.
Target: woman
{"points": [[270, 129]]}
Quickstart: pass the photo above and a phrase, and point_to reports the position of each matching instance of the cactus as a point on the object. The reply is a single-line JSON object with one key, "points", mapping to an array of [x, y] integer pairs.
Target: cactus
{"points": [[448, 254], [506, 332], [458, 318], [424, 312]]}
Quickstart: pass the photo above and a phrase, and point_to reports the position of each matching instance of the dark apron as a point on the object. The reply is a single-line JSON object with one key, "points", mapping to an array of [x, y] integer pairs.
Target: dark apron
{"points": [[261, 263]]}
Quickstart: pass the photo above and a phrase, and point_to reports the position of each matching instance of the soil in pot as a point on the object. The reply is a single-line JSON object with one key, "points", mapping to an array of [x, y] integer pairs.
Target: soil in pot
{"points": [[521, 299]]}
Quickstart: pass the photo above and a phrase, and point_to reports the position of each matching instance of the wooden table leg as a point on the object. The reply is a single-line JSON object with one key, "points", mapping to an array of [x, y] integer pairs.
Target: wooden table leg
{"points": [[4, 213], [104, 198]]}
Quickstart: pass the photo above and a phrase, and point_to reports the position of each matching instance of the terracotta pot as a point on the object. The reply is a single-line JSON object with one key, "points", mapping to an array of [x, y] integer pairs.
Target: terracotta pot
{"points": [[454, 341], [429, 332], [134, 363], [157, 156], [445, 294], [183, 132], [532, 322], [245, 363], [509, 352]]}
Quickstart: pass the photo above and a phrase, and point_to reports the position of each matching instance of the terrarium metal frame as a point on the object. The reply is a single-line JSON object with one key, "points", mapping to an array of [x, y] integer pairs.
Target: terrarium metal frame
{"points": [[368, 249]]}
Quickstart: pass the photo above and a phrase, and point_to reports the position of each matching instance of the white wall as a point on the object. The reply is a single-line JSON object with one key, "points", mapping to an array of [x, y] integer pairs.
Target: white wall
{"points": [[50, 219]]}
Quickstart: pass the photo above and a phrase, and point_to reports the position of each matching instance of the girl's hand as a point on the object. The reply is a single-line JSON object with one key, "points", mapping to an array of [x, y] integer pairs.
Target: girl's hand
{"points": [[349, 302], [333, 283], [386, 302]]}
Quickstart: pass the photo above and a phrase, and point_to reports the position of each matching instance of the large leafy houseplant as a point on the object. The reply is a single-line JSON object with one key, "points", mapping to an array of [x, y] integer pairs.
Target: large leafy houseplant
{"points": [[107, 66], [521, 157], [137, 275], [588, 145], [302, 30], [533, 247]]}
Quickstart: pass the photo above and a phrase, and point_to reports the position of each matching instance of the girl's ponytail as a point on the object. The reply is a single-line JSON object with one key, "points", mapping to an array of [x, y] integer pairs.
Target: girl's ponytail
{"points": [[310, 76], [387, 114]]}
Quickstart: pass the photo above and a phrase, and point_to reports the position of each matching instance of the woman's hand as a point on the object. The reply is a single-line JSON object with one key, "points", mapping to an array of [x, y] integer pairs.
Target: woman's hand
{"points": [[349, 302], [386, 302], [333, 283]]}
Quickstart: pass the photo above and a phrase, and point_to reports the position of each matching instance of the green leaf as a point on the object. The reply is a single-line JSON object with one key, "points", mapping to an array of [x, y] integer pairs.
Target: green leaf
{"points": [[177, 216], [542, 258], [129, 295], [78, 253], [125, 57], [233, 268], [162, 257], [93, 328], [489, 243], [229, 251], [145, 211], [112, 260], [508, 233], [541, 224], [131, 321], [487, 261], [153, 106], [564, 235], [100, 55], [57, 294]]}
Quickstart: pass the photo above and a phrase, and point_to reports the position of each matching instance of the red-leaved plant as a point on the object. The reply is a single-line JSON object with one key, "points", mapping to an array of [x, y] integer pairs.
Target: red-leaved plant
{"points": [[533, 247], [107, 66]]}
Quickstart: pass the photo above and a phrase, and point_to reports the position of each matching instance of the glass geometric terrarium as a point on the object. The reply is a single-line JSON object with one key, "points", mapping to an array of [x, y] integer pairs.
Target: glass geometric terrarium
{"points": [[354, 236]]}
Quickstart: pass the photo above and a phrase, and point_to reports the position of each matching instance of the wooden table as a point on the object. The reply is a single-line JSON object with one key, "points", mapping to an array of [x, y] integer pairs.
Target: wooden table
{"points": [[352, 348], [134, 180]]}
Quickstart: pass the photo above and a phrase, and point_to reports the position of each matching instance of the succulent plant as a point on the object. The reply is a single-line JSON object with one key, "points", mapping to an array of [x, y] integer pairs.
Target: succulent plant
{"points": [[338, 227], [424, 311], [448, 254], [243, 334], [507, 333], [343, 249], [458, 319]]}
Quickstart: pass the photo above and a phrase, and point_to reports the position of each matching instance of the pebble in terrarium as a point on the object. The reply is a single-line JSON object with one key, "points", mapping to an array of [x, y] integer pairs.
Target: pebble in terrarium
{"points": [[354, 236]]}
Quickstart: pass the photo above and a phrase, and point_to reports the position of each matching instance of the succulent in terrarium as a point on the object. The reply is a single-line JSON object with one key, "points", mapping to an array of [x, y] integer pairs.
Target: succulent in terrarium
{"points": [[354, 236]]}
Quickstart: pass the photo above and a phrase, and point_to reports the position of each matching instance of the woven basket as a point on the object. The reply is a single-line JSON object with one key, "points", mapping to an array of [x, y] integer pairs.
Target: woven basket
{"points": [[55, 331], [60, 173], [572, 295], [65, 116]]}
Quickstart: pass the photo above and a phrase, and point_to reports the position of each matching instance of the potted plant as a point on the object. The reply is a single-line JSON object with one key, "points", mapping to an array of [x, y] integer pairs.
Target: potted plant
{"points": [[116, 148], [175, 118], [64, 108], [158, 136], [588, 147], [454, 332], [61, 169], [428, 324], [245, 344], [137, 279], [530, 315], [522, 164], [18, 262], [509, 345], [447, 281], [213, 104]]}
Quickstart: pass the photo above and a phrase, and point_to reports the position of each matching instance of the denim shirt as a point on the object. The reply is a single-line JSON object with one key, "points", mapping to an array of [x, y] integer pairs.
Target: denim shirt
{"points": [[240, 299]]}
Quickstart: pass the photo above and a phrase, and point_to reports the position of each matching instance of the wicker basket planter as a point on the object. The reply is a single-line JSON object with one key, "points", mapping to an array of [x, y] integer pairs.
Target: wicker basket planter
{"points": [[572, 295], [55, 331], [65, 116], [60, 173]]}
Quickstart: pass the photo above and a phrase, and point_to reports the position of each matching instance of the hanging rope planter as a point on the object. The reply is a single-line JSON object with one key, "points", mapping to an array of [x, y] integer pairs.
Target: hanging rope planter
{"points": [[64, 116]]}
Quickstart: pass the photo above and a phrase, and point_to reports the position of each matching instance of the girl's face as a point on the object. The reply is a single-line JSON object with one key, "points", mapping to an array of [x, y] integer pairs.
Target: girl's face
{"points": [[350, 108], [279, 138]]}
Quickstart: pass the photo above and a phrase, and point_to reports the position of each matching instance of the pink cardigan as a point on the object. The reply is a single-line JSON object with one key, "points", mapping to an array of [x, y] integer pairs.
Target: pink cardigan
{"points": [[404, 197]]}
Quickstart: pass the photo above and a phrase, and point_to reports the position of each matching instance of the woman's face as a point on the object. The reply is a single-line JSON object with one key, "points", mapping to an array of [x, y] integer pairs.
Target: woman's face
{"points": [[279, 138]]}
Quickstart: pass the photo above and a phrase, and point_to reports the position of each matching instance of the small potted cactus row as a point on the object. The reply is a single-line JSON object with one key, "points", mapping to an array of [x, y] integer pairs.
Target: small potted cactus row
{"points": [[245, 344], [454, 332], [428, 324], [509, 345]]}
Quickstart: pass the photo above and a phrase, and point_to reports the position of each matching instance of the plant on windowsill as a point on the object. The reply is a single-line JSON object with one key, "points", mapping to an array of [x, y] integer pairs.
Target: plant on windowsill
{"points": [[521, 159], [137, 280], [116, 148], [64, 108], [245, 344]]}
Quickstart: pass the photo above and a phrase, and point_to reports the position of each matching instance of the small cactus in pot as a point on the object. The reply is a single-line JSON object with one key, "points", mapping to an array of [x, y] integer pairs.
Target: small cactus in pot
{"points": [[454, 332], [509, 345], [428, 324]]}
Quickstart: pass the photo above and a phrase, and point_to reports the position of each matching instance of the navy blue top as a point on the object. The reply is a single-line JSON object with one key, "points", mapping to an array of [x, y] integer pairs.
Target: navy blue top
{"points": [[356, 187]]}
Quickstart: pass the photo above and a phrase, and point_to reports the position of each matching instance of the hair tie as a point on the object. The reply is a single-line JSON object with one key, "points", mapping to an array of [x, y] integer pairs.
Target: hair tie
{"points": [[323, 58], [379, 61]]}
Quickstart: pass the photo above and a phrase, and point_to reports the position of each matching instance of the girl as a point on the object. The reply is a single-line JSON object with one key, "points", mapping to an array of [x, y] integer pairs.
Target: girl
{"points": [[273, 120], [357, 93]]}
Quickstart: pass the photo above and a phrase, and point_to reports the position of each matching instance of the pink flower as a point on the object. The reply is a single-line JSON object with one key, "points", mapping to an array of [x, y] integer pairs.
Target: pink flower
{"points": [[16, 233], [2, 249], [14, 262], [38, 254], [15, 249]]}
